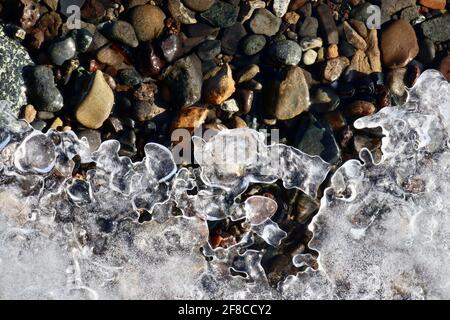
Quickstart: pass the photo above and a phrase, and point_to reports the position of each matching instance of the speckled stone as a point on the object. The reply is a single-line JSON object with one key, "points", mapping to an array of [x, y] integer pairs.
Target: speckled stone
{"points": [[13, 57]]}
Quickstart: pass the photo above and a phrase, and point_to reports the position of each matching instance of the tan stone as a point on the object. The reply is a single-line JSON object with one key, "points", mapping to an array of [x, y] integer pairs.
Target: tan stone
{"points": [[248, 73], [57, 123], [219, 85], [353, 37], [332, 51], [334, 68], [360, 63], [96, 106], [29, 113], [291, 17], [360, 108], [373, 51]]}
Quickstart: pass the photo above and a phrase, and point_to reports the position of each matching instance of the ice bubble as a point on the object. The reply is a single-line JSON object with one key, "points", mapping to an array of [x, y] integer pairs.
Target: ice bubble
{"points": [[35, 154]]}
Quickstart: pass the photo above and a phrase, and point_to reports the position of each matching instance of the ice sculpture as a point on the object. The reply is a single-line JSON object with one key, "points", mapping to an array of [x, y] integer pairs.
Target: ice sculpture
{"points": [[72, 222]]}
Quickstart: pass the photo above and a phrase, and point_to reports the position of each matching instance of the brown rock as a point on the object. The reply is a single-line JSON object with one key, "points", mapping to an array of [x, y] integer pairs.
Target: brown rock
{"points": [[360, 108], [291, 17], [332, 51], [145, 91], [219, 85], [334, 68], [148, 21], [373, 51], [30, 14], [190, 118], [110, 57], [289, 95], [328, 24], [444, 67], [353, 37], [434, 4], [244, 99], [398, 44], [96, 106], [336, 120], [360, 63], [29, 113]]}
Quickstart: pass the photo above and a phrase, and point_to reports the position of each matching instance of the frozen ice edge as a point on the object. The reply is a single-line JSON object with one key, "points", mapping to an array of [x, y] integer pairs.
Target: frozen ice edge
{"points": [[381, 231]]}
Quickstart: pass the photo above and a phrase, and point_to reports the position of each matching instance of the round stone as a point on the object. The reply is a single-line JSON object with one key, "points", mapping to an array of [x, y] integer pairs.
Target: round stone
{"points": [[62, 51], [286, 52], [253, 44], [148, 21], [398, 44]]}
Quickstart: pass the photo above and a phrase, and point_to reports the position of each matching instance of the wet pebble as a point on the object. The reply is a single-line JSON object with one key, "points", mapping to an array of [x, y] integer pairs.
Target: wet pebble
{"points": [[309, 27], [172, 48], [219, 86], [231, 37], [360, 108], [198, 5], [146, 110], [63, 50]]}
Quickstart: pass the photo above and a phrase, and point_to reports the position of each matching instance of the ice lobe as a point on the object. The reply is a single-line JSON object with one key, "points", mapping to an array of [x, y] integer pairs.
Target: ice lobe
{"points": [[383, 228]]}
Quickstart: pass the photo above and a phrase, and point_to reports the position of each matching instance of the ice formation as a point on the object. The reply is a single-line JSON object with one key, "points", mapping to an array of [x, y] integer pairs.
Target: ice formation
{"points": [[71, 221]]}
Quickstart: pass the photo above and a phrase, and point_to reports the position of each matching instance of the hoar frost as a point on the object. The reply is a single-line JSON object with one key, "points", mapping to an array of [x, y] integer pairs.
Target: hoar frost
{"points": [[382, 230]]}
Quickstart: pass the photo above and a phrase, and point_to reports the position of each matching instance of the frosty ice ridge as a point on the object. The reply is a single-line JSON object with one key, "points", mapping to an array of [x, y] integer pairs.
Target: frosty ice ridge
{"points": [[381, 232]]}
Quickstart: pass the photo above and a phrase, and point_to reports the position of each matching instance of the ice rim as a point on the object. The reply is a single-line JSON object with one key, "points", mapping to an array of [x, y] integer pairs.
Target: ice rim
{"points": [[382, 230]]}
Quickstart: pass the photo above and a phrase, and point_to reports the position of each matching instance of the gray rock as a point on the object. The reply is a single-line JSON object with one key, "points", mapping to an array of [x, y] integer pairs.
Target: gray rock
{"points": [[13, 58], [309, 27], [221, 14], [437, 29], [122, 31], [231, 37], [209, 49], [286, 52], [184, 79], [393, 6], [410, 13], [43, 93], [131, 77], [63, 50], [265, 22], [253, 44]]}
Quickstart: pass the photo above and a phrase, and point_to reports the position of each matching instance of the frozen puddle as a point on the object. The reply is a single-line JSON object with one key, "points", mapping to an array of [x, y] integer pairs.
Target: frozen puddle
{"points": [[382, 231]]}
